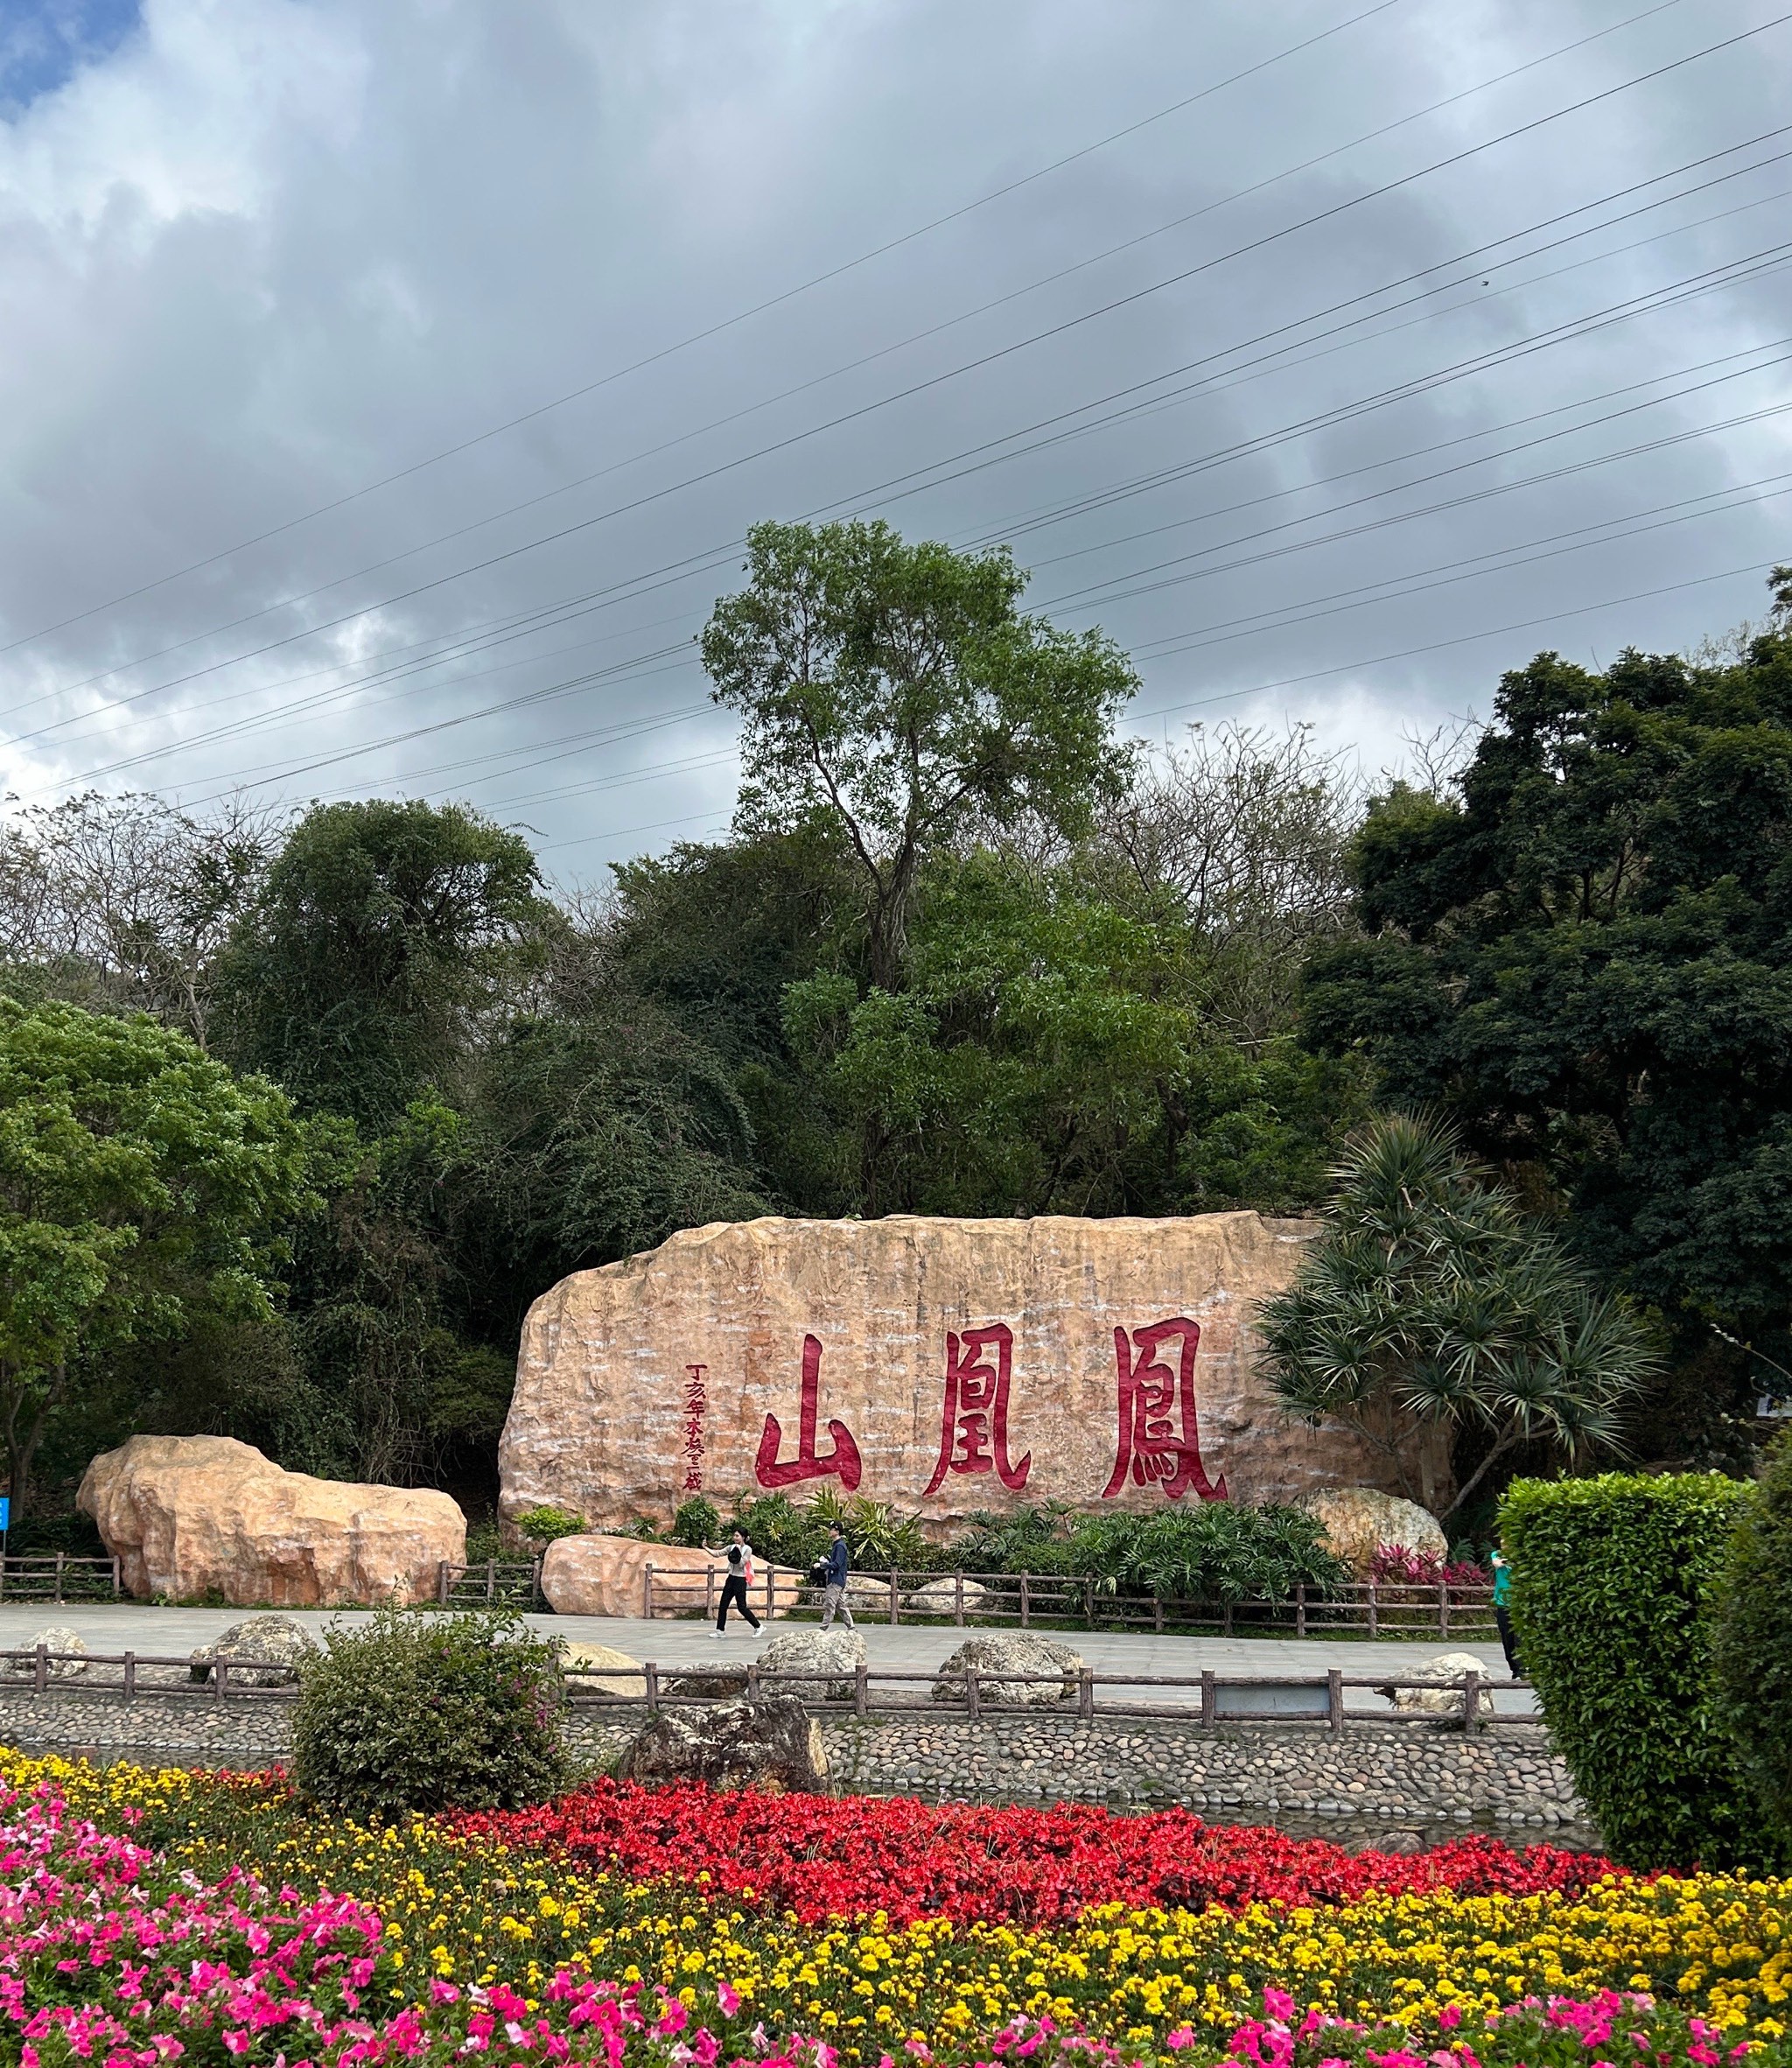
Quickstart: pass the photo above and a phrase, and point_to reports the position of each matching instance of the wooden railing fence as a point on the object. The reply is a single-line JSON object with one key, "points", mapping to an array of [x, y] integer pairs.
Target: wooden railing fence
{"points": [[1370, 1609], [54, 1576], [1300, 1700], [513, 1582]]}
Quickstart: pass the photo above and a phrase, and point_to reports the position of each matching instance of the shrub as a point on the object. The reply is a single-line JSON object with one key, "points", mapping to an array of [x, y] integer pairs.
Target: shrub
{"points": [[696, 1523], [1393, 1565], [1610, 1580], [548, 1526], [1751, 1650], [427, 1713]]}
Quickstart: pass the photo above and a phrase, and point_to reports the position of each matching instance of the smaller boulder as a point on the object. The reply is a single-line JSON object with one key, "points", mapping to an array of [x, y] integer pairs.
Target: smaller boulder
{"points": [[599, 1669], [1358, 1521], [939, 1597], [832, 1656], [280, 1649], [774, 1745], [1007, 1653], [705, 1683], [54, 1637], [1442, 1702]]}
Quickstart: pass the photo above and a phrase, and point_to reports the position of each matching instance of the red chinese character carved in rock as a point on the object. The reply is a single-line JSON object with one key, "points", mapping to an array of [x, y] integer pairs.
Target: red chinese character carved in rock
{"points": [[974, 1418], [841, 1463], [1159, 1442], [695, 1401]]}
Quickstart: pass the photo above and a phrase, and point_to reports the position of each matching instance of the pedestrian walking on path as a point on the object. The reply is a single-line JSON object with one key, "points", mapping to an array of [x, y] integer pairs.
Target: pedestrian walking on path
{"points": [[735, 1586], [1502, 1613], [834, 1593]]}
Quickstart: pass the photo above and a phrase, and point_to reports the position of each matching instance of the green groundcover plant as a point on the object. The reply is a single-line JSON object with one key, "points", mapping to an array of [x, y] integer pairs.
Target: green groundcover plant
{"points": [[413, 1712], [1610, 1599]]}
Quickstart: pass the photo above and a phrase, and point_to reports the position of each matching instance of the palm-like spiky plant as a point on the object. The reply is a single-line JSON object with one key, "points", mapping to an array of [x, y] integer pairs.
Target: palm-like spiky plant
{"points": [[1430, 1303]]}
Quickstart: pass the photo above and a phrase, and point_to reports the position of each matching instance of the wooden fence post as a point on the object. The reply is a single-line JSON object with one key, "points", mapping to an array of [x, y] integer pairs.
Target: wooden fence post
{"points": [[118, 1579], [490, 1579], [40, 1673], [130, 1676], [1300, 1611], [647, 1591], [1334, 1699], [972, 1707], [1373, 1616], [1209, 1697], [771, 1591], [220, 1678], [61, 1561], [958, 1603], [1086, 1692], [1443, 1609], [1026, 1579], [753, 1680], [709, 1594], [861, 1676], [652, 1684], [1470, 1701], [895, 1599], [1089, 1600]]}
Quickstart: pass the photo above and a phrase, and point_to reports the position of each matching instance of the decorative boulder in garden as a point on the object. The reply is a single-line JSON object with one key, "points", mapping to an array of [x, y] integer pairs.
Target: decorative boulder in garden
{"points": [[599, 1669], [54, 1637], [996, 1659], [1358, 1522], [594, 1575], [1443, 1702], [941, 1597], [189, 1516], [832, 1656], [775, 1745], [281, 1649]]}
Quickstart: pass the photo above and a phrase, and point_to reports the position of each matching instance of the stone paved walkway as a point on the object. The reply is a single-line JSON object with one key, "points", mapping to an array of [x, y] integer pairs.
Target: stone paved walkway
{"points": [[114, 1627]]}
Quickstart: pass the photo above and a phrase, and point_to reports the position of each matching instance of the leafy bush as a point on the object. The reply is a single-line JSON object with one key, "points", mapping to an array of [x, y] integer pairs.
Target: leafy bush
{"points": [[1393, 1565], [548, 1526], [427, 1713], [1610, 1580], [696, 1523], [780, 1532], [1751, 1650]]}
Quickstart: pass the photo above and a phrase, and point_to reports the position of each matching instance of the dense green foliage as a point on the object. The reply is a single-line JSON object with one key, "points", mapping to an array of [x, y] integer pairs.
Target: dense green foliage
{"points": [[1583, 952], [1611, 1579], [1431, 1307], [1752, 1650], [430, 1712]]}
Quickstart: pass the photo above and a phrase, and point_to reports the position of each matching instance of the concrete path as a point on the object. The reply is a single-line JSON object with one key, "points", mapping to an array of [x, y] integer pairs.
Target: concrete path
{"points": [[115, 1627]]}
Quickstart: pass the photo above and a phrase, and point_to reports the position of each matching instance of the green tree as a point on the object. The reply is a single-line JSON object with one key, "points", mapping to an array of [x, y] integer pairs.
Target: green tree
{"points": [[1583, 951], [1431, 1307], [142, 1187], [896, 694], [381, 933]]}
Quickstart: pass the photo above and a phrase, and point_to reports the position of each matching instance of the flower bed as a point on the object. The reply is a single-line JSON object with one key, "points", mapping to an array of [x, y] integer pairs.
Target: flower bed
{"points": [[150, 1917]]}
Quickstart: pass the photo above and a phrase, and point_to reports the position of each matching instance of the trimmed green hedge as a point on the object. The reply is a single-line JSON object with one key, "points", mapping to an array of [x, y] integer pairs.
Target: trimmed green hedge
{"points": [[1751, 1650], [1610, 1584]]}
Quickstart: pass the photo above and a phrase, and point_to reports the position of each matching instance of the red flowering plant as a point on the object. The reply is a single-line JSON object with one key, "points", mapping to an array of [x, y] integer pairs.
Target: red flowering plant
{"points": [[821, 1858], [1393, 1565]]}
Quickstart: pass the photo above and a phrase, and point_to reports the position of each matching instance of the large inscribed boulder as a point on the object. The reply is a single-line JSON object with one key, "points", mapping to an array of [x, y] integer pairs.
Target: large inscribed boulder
{"points": [[188, 1516], [947, 1365]]}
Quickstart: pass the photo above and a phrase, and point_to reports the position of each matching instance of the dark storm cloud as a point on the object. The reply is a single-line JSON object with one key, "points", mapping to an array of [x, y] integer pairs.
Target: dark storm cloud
{"points": [[264, 254]]}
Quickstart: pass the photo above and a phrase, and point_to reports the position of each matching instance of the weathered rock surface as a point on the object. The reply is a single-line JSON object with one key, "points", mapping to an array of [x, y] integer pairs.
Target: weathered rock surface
{"points": [[1357, 1521], [1011, 1652], [281, 1647], [600, 1575], [1442, 1701], [833, 1655], [54, 1637], [775, 1745], [599, 1669], [941, 1597], [187, 1516], [947, 1365]]}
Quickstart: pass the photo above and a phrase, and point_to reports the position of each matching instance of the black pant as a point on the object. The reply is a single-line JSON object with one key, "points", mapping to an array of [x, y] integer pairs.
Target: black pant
{"points": [[734, 1595], [1509, 1643]]}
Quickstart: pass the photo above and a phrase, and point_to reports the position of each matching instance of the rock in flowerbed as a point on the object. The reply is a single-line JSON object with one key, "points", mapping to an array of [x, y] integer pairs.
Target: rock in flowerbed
{"points": [[54, 1637], [280, 1648], [774, 1745], [998, 1658], [1445, 1701], [833, 1655]]}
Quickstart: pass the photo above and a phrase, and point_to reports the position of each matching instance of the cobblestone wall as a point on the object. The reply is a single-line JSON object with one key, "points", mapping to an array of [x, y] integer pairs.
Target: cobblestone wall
{"points": [[1371, 1774]]}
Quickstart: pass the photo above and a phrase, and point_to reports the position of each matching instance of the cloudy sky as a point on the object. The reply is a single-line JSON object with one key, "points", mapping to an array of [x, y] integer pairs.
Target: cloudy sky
{"points": [[385, 389]]}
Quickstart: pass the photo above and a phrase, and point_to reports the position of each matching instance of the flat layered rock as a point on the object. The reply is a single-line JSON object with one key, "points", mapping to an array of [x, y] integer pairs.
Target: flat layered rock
{"points": [[190, 1515]]}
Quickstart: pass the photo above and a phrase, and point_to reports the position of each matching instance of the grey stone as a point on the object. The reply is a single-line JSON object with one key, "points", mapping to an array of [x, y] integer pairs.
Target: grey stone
{"points": [[832, 1656], [1445, 1701], [54, 1637], [775, 1745], [998, 1657], [283, 1648], [939, 1597]]}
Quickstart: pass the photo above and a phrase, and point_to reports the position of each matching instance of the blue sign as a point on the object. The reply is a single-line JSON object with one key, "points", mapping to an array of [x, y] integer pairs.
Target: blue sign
{"points": [[6, 1512]]}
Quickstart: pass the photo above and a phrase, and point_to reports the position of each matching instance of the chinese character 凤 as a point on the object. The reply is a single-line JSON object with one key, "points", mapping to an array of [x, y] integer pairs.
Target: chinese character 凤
{"points": [[974, 1418], [695, 1400], [1159, 1442], [842, 1462]]}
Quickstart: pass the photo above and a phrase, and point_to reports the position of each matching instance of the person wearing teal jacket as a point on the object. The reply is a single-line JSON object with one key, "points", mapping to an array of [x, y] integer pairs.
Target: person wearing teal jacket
{"points": [[1502, 1612]]}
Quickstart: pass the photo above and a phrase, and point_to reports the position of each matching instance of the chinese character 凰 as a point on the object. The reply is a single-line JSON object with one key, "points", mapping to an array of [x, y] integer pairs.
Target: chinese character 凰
{"points": [[973, 1419], [695, 1400], [1159, 1442], [842, 1462]]}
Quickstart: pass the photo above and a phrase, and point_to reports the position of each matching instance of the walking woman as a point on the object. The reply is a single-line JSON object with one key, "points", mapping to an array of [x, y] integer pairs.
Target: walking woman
{"points": [[735, 1586]]}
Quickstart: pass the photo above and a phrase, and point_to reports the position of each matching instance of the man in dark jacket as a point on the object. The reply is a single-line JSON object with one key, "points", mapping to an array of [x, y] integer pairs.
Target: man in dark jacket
{"points": [[834, 1593]]}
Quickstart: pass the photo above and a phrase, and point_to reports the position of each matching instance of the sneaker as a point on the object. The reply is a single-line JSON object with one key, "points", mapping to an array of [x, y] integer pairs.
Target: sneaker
{"points": [[718, 1633]]}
